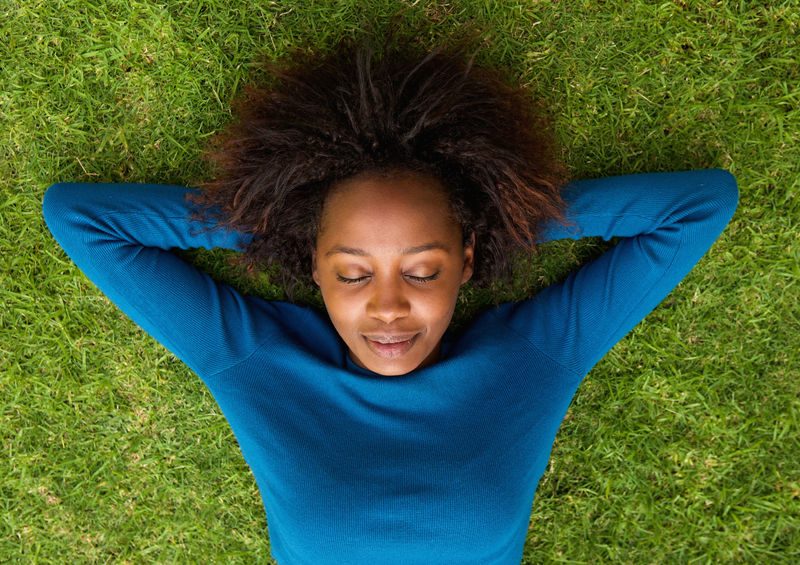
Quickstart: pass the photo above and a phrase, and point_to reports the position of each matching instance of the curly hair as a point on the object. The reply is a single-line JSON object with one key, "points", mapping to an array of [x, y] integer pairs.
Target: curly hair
{"points": [[363, 107]]}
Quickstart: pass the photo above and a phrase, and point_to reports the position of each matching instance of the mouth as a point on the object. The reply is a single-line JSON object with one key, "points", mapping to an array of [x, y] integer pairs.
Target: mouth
{"points": [[391, 347]]}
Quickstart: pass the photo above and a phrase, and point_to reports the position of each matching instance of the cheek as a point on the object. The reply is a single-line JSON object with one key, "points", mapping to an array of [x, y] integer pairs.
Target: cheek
{"points": [[441, 303], [345, 310], [435, 311]]}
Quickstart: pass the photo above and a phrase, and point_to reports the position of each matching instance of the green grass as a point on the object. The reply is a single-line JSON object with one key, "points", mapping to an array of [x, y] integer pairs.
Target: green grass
{"points": [[681, 445]]}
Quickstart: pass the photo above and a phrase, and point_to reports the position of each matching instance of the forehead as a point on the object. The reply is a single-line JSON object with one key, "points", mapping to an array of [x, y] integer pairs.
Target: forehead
{"points": [[391, 211]]}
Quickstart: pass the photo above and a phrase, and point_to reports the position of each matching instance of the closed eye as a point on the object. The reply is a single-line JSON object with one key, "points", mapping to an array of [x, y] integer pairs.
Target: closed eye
{"points": [[433, 277], [423, 280], [350, 281]]}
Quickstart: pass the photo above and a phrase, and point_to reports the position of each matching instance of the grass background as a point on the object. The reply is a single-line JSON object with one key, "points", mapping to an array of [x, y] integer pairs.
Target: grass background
{"points": [[681, 445]]}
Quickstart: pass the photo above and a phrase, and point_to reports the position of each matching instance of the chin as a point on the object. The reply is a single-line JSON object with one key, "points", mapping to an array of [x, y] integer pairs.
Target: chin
{"points": [[393, 372], [389, 369]]}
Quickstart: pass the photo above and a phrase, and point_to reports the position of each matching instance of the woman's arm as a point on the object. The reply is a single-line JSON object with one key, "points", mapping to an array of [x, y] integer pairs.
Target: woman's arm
{"points": [[119, 235], [668, 222]]}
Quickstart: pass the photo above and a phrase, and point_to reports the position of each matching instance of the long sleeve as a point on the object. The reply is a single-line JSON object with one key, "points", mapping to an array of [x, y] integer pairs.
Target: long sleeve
{"points": [[120, 234], [667, 222]]}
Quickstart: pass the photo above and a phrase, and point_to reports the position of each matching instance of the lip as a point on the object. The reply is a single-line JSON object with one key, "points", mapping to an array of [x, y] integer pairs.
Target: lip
{"points": [[391, 350], [389, 338]]}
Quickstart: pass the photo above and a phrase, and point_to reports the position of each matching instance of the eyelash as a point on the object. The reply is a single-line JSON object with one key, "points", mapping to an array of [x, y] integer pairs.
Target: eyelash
{"points": [[417, 279]]}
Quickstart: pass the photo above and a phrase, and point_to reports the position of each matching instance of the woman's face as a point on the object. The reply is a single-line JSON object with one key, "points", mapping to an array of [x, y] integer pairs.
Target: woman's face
{"points": [[389, 261]]}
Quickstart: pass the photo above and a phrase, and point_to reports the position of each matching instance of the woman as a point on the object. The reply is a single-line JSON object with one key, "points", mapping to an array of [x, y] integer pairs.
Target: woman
{"points": [[375, 432]]}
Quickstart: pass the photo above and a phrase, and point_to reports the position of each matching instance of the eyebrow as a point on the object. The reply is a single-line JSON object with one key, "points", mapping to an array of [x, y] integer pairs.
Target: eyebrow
{"points": [[406, 251]]}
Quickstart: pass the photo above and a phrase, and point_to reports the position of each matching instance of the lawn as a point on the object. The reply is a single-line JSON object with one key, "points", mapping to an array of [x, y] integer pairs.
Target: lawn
{"points": [[682, 444]]}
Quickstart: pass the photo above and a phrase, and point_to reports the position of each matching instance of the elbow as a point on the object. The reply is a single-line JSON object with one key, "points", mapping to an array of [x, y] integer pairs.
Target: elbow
{"points": [[724, 190], [58, 205], [54, 197], [719, 194], [51, 203]]}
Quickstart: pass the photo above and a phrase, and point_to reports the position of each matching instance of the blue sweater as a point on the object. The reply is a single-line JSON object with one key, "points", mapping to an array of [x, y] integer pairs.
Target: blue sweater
{"points": [[438, 466]]}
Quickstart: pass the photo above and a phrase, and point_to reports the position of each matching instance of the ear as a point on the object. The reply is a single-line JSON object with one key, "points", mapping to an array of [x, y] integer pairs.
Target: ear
{"points": [[469, 259], [314, 274]]}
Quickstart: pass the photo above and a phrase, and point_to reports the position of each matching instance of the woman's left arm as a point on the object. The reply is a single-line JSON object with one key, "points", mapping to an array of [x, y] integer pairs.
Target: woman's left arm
{"points": [[667, 222]]}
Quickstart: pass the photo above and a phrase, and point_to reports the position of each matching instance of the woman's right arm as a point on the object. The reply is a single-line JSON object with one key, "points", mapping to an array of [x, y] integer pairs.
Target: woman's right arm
{"points": [[120, 234]]}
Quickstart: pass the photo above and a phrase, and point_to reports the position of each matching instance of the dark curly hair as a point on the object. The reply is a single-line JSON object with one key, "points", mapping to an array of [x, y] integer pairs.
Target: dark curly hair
{"points": [[367, 107]]}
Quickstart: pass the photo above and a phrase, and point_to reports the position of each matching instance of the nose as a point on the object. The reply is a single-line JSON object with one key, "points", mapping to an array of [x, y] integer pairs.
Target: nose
{"points": [[388, 302]]}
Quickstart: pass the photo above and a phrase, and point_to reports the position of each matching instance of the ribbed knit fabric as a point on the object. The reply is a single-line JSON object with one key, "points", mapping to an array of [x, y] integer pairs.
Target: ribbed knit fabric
{"points": [[438, 466]]}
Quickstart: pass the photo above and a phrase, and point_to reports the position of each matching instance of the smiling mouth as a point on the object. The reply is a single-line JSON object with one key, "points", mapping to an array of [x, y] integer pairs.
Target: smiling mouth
{"points": [[389, 338], [393, 348]]}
